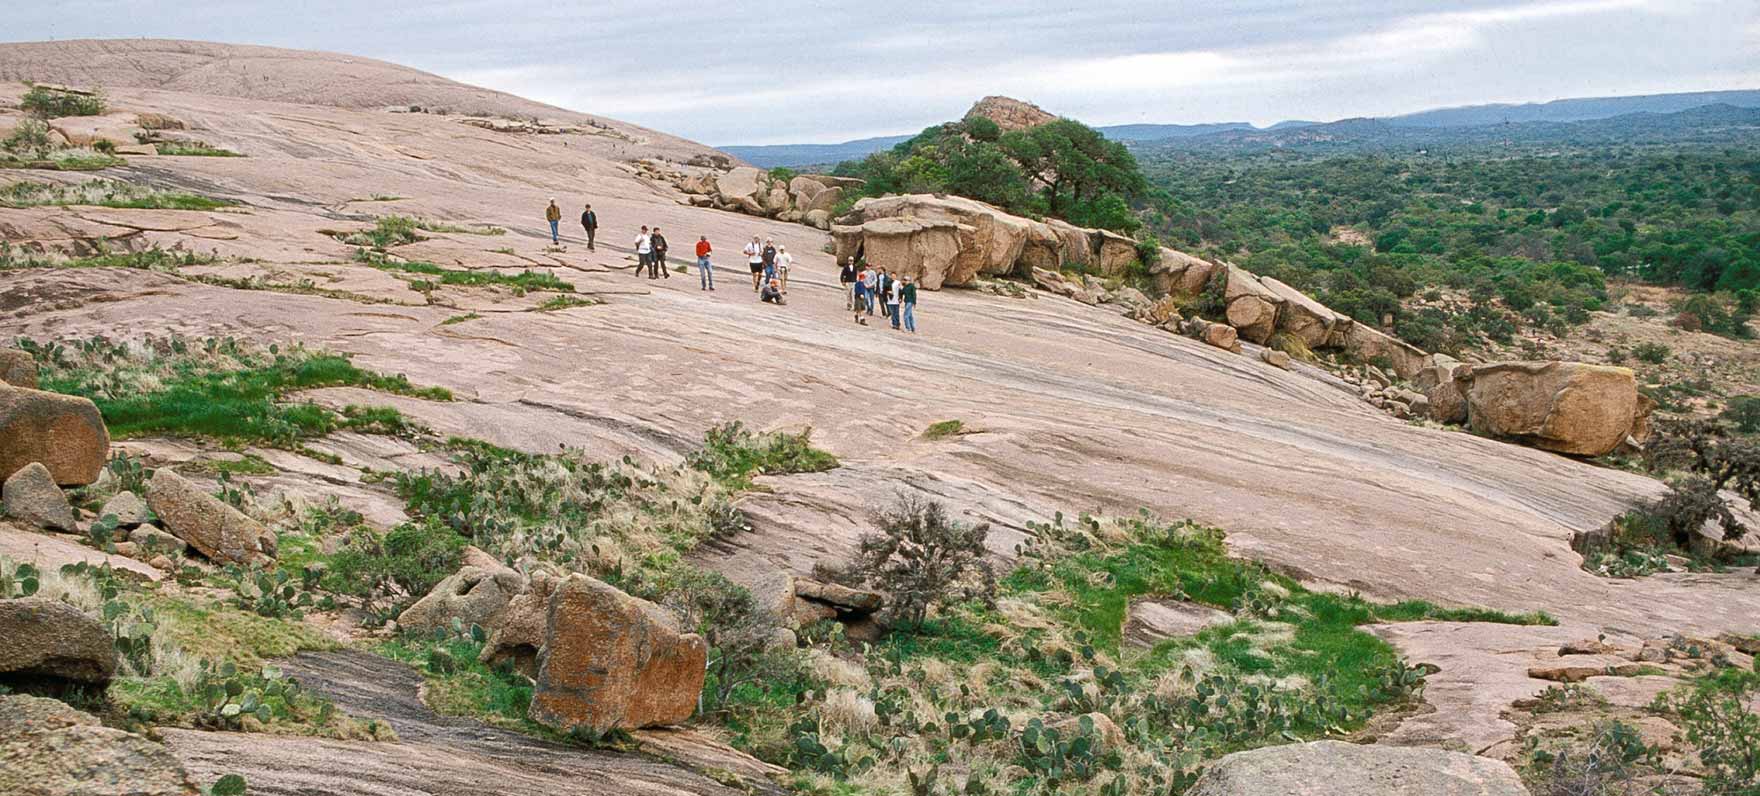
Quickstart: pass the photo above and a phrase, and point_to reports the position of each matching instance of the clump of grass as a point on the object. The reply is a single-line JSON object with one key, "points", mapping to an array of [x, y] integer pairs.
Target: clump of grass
{"points": [[387, 232], [1293, 346], [469, 316], [459, 685], [944, 429], [564, 303], [732, 454], [49, 103], [211, 388], [104, 193], [153, 259], [193, 149], [78, 159], [527, 280], [436, 226]]}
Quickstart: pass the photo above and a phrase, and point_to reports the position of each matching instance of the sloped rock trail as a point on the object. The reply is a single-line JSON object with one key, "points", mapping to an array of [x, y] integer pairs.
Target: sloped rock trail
{"points": [[434, 755]]}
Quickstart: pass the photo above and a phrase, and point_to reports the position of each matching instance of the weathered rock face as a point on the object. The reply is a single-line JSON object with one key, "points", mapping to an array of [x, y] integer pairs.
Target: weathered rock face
{"points": [[925, 250], [610, 661], [1252, 307], [472, 595], [31, 496], [1150, 622], [54, 639], [519, 634], [50, 749], [1333, 768], [128, 509], [1444, 383], [753, 191], [63, 432], [1568, 407], [1302, 317], [17, 368], [1009, 113], [216, 530], [1367, 343]]}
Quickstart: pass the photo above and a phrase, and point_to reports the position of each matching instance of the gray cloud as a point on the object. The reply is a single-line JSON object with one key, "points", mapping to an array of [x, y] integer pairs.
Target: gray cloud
{"points": [[813, 71]]}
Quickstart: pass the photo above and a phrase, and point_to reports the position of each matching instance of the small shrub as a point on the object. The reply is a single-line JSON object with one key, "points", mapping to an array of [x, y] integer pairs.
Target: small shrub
{"points": [[944, 429], [48, 103], [732, 454], [1717, 721], [1715, 460], [393, 570], [193, 149], [1653, 353], [923, 559], [30, 140], [1614, 757], [1743, 412]]}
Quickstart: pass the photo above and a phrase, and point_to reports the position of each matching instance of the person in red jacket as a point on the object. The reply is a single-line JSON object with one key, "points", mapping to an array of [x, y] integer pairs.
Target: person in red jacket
{"points": [[703, 265]]}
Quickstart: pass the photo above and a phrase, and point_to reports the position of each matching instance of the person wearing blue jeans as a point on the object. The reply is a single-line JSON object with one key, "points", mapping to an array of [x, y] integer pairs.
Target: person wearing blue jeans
{"points": [[907, 305], [704, 267], [894, 287], [553, 214]]}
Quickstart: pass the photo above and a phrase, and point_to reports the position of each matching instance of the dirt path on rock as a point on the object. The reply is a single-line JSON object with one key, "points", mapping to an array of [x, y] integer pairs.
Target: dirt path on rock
{"points": [[434, 756]]}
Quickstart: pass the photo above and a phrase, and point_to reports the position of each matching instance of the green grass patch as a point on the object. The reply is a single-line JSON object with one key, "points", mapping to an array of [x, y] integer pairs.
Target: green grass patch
{"points": [[436, 226], [732, 454], [469, 316], [104, 193], [49, 103], [521, 282], [563, 303], [459, 685], [216, 388], [197, 149], [944, 429], [61, 160], [153, 259]]}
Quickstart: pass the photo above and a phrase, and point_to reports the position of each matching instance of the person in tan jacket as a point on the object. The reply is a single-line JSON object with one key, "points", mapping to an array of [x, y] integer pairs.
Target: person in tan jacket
{"points": [[553, 214]]}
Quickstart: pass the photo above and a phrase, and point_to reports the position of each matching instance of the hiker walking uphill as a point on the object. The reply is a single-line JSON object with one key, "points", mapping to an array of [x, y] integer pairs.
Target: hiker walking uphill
{"points": [[644, 250], [553, 214], [755, 258], [657, 254], [590, 223], [704, 266]]}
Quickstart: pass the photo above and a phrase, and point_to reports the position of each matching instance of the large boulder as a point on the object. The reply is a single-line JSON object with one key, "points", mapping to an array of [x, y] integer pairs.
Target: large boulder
{"points": [[743, 189], [49, 749], [920, 248], [213, 528], [1300, 316], [519, 634], [1183, 274], [1009, 113], [991, 241], [1444, 383], [1334, 768], [53, 639], [117, 128], [30, 495], [472, 595], [1366, 344], [1568, 407], [1114, 253], [63, 432], [18, 368], [610, 660], [1252, 307]]}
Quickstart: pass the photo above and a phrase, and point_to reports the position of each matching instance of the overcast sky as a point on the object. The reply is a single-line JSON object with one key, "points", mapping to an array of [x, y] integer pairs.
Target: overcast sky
{"points": [[809, 71]]}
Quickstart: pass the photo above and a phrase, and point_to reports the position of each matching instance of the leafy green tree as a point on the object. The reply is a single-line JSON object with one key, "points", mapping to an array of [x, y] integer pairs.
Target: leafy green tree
{"points": [[1075, 164]]}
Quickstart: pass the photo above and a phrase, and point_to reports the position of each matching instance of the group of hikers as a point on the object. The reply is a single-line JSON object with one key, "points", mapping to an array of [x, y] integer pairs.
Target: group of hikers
{"points": [[864, 288]]}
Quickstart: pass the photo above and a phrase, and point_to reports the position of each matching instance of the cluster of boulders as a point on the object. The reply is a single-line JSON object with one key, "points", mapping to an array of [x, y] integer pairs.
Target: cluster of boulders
{"points": [[1679, 656], [130, 133], [600, 659], [804, 198]]}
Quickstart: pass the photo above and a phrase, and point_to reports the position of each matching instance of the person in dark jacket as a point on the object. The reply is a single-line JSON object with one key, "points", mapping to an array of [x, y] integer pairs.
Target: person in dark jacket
{"points": [[907, 305], [590, 223], [847, 277], [657, 259]]}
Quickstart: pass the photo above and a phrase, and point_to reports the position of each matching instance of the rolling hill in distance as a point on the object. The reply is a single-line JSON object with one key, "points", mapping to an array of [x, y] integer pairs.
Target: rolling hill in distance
{"points": [[1526, 122]]}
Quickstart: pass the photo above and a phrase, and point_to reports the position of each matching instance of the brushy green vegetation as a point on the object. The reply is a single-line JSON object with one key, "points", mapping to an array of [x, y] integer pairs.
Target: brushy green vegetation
{"points": [[1718, 722], [469, 316], [199, 149], [460, 685], [521, 282], [997, 693], [104, 193], [153, 259], [732, 454], [212, 387], [391, 231], [48, 103], [436, 226], [1063, 169], [557, 303], [944, 429], [1701, 459]]}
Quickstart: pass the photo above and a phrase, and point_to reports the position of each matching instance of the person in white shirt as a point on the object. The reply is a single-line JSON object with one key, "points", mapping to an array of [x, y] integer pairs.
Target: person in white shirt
{"points": [[644, 251], [871, 283], [783, 261], [755, 257]]}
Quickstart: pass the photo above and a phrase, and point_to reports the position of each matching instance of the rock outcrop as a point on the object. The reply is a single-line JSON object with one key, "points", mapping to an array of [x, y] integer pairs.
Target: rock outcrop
{"points": [[472, 596], [1568, 407], [808, 198], [53, 639], [519, 635], [30, 495], [18, 368], [1252, 307], [1444, 383], [49, 749], [1334, 768], [613, 661], [1009, 113], [214, 529], [66, 434], [128, 510]]}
